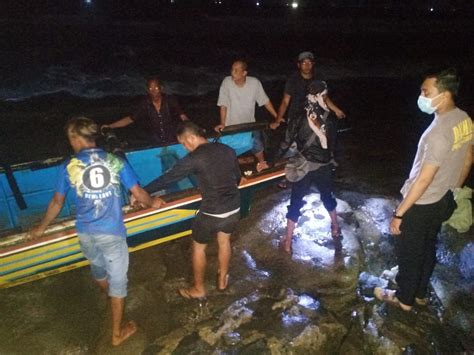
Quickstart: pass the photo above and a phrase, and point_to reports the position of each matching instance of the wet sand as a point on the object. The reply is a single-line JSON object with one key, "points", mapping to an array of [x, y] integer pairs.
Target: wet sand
{"points": [[314, 301]]}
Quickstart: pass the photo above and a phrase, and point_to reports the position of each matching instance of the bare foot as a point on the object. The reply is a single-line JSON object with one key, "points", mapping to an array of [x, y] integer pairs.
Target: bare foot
{"points": [[286, 246], [126, 332], [262, 166]]}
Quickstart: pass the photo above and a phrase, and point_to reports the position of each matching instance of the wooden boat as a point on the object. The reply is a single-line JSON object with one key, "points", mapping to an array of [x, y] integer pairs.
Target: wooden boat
{"points": [[31, 185]]}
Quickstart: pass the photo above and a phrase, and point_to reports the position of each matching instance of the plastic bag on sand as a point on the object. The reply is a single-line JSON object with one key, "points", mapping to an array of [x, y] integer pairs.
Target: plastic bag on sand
{"points": [[461, 219]]}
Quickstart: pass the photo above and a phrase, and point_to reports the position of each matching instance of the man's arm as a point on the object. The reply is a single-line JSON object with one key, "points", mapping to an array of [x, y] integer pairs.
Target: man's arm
{"points": [[175, 108], [144, 198], [285, 102], [332, 106], [424, 179], [271, 109], [54, 207], [182, 169], [281, 111], [123, 122], [466, 167], [223, 116]]}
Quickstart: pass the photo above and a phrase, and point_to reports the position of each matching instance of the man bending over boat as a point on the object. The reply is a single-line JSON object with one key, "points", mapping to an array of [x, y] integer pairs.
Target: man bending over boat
{"points": [[158, 114], [218, 174], [95, 176]]}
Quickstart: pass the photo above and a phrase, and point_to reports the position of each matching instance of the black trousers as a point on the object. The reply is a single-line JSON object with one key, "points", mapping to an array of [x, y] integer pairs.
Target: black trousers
{"points": [[416, 247], [322, 178]]}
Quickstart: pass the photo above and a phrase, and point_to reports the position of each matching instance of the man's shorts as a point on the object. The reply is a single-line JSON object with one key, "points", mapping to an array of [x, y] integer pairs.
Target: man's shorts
{"points": [[108, 255], [206, 227]]}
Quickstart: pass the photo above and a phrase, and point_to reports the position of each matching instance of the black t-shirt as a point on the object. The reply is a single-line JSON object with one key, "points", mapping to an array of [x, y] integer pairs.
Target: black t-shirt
{"points": [[217, 171], [160, 125], [300, 131], [297, 87], [315, 152]]}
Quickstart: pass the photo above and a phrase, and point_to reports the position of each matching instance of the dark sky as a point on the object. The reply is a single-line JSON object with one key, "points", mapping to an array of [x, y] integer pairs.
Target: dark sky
{"points": [[29, 8]]}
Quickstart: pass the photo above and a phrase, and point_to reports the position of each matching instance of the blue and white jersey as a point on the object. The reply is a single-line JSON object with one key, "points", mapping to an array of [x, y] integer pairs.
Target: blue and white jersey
{"points": [[95, 177]]}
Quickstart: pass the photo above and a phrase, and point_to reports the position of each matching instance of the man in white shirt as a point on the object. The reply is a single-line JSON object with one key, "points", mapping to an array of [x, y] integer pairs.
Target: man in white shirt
{"points": [[238, 95]]}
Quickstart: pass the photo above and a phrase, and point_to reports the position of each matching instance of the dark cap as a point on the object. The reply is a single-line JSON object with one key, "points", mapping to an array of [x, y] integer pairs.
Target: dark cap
{"points": [[305, 55]]}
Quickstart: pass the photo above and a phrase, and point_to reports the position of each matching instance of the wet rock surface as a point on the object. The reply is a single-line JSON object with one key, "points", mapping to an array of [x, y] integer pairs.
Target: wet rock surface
{"points": [[315, 301]]}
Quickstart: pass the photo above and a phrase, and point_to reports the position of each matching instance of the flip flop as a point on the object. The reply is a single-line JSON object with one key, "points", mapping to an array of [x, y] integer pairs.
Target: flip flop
{"points": [[184, 293], [226, 283], [388, 296]]}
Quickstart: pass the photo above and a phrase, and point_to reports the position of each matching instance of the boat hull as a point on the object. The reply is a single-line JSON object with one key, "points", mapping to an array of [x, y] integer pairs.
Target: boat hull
{"points": [[23, 261], [36, 182]]}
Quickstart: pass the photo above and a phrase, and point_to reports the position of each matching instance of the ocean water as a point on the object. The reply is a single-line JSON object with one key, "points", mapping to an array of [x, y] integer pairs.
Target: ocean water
{"points": [[95, 57]]}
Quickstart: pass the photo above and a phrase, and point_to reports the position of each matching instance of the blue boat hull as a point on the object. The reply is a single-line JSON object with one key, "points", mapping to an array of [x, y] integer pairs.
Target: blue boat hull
{"points": [[23, 261], [36, 181]]}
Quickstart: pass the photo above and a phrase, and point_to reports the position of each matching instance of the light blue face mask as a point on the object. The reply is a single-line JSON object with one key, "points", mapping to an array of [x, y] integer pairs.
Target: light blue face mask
{"points": [[425, 104]]}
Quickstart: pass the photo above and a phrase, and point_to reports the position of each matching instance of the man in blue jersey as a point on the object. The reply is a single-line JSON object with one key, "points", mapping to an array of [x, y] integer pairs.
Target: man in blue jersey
{"points": [[95, 177]]}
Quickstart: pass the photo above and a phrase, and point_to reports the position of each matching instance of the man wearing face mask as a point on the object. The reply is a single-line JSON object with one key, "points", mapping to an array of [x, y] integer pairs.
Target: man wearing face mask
{"points": [[442, 163]]}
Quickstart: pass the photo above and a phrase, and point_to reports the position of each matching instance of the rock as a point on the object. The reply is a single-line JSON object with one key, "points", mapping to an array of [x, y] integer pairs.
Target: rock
{"points": [[315, 339], [368, 282], [466, 262], [234, 316], [289, 300]]}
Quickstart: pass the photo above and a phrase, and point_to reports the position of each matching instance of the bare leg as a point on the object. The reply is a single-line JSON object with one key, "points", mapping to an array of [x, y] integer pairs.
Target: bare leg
{"points": [[103, 284], [333, 216], [119, 333], [286, 242], [199, 272], [335, 231], [223, 240]]}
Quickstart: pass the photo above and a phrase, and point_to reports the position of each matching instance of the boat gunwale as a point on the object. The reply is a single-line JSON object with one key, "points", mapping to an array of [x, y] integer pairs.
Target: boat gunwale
{"points": [[66, 229], [54, 161]]}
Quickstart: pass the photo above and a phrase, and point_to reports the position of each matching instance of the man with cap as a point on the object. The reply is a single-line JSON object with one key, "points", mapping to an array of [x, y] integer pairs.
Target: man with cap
{"points": [[296, 90], [295, 94]]}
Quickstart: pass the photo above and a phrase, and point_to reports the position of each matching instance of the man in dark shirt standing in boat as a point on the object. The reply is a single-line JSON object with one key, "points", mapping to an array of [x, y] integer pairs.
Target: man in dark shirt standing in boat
{"points": [[158, 114], [220, 207], [95, 177], [295, 94], [296, 89]]}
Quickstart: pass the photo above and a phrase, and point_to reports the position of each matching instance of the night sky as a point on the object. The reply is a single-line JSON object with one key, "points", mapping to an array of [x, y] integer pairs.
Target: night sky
{"points": [[143, 8]]}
